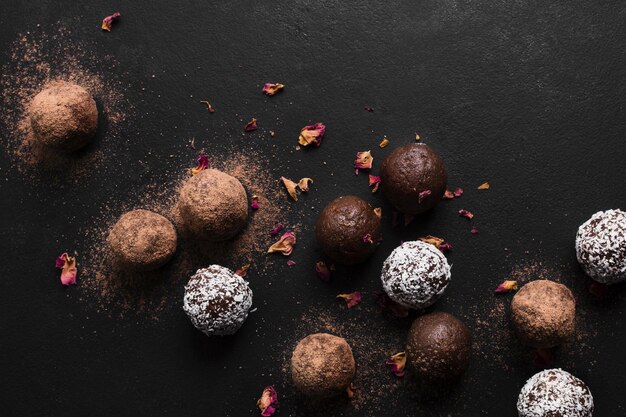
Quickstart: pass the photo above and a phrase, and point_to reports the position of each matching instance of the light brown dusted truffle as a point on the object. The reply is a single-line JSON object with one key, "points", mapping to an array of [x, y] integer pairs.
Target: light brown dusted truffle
{"points": [[322, 366], [213, 205], [63, 116], [543, 313], [142, 241]]}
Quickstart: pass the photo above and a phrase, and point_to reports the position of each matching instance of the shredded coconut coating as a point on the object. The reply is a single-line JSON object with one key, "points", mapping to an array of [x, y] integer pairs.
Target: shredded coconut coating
{"points": [[217, 300], [415, 275], [601, 246], [553, 393]]}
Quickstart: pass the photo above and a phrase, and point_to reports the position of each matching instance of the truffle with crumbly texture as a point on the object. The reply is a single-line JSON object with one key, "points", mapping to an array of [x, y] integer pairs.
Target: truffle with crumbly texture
{"points": [[63, 116], [553, 393], [322, 366], [142, 241], [213, 205], [543, 313]]}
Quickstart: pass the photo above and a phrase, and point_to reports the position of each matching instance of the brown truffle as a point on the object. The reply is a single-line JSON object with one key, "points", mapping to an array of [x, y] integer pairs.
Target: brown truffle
{"points": [[322, 365], [543, 313], [142, 241], [438, 347], [348, 230], [413, 178], [213, 205], [63, 116]]}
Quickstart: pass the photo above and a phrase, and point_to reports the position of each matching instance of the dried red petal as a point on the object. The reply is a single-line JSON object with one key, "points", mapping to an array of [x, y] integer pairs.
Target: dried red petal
{"points": [[202, 163], [375, 181], [421, 196], [291, 263], [448, 195], [107, 22], [284, 244], [351, 299], [458, 192], [465, 213], [474, 230], [268, 403], [445, 247], [506, 286], [484, 186], [363, 160], [397, 363], [208, 106], [323, 272], [386, 303], [67, 264], [276, 230], [270, 88], [254, 204], [251, 126], [312, 134], [243, 271], [367, 238]]}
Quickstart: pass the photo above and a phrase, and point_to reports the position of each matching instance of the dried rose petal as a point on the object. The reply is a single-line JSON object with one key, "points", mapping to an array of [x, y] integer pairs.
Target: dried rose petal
{"points": [[270, 88], [291, 263], [202, 163], [386, 303], [384, 142], [303, 184], [397, 363], [284, 244], [445, 247], [421, 196], [312, 134], [375, 181], [67, 264], [107, 22], [417, 137], [323, 272], [367, 238], [351, 299], [268, 403], [369, 109], [448, 195], [208, 106], [474, 230], [243, 271], [484, 186], [251, 126], [254, 203], [433, 240], [378, 212], [458, 192], [350, 390], [363, 160], [276, 230], [291, 187], [506, 286], [465, 213]]}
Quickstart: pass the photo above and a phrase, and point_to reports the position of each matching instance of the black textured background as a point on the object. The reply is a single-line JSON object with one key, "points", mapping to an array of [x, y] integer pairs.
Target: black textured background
{"points": [[526, 95]]}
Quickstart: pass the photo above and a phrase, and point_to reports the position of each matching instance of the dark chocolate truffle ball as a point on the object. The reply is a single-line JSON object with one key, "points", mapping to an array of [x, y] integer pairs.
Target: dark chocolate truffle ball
{"points": [[213, 205], [413, 178], [555, 393], [416, 274], [348, 230], [217, 300], [438, 347], [63, 116], [543, 313], [142, 241], [322, 365], [601, 246]]}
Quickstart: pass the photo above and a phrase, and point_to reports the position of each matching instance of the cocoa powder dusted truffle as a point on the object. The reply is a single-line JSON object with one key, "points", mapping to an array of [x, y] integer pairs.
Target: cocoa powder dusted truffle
{"points": [[552, 393], [217, 301], [416, 274], [543, 313], [348, 230], [142, 241], [413, 178], [63, 116], [213, 205], [601, 246], [322, 366], [438, 347]]}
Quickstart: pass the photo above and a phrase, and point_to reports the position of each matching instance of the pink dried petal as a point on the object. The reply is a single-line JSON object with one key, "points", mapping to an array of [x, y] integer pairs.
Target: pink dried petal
{"points": [[268, 403], [251, 126], [276, 230], [367, 238], [445, 247], [202, 163], [107, 22], [351, 299], [474, 230], [506, 286], [312, 134], [458, 192], [284, 245], [254, 204], [272, 88], [323, 272], [67, 264], [208, 106], [448, 195], [364, 160], [375, 181], [423, 195], [243, 271], [386, 303], [397, 363], [465, 213], [291, 263]]}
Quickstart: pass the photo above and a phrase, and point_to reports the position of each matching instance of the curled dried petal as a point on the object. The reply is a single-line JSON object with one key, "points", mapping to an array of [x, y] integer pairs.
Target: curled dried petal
{"points": [[276, 230], [421, 196], [397, 363], [433, 240], [367, 238], [458, 192], [387, 304], [107, 22], [351, 299], [254, 204], [251, 125], [363, 160], [323, 272], [445, 247], [243, 271], [506, 286], [284, 244], [67, 264], [375, 181], [474, 230], [350, 390], [272, 88], [208, 106], [448, 195], [291, 263], [417, 137], [268, 403], [202, 163], [303, 184], [484, 186], [312, 134], [384, 142], [378, 212], [291, 187], [465, 213]]}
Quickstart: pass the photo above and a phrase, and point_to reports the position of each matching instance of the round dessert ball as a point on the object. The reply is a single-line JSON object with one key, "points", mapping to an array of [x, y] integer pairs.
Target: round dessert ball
{"points": [[438, 347], [416, 274], [601, 246], [554, 392], [217, 300], [142, 240], [213, 205], [63, 116], [413, 178], [543, 313], [348, 230], [322, 365]]}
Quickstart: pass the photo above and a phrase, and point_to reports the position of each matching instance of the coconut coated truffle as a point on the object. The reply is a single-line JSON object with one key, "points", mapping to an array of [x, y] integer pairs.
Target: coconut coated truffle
{"points": [[543, 313], [142, 241], [213, 205], [322, 366], [413, 178], [348, 230], [416, 274], [601, 246], [63, 116], [552, 393], [217, 300]]}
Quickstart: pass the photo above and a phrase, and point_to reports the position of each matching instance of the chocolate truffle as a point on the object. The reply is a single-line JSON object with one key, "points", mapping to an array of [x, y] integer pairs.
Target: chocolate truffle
{"points": [[142, 241], [348, 230], [213, 205], [553, 393], [217, 300], [416, 274], [543, 313], [438, 347], [601, 246], [63, 116], [413, 178], [322, 366]]}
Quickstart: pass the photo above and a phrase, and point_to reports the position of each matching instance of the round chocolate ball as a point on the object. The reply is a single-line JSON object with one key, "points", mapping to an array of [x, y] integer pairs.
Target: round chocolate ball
{"points": [[142, 241], [217, 300], [348, 230], [416, 274], [413, 178], [543, 313], [63, 116], [438, 347], [552, 393], [322, 365], [601, 246], [213, 205]]}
